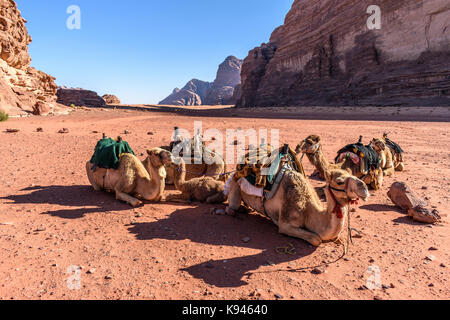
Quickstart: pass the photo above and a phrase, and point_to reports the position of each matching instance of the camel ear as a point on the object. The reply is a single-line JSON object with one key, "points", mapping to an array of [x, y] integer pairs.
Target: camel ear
{"points": [[150, 152]]}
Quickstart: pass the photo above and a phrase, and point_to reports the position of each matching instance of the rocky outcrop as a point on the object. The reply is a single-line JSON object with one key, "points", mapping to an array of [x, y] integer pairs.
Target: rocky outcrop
{"points": [[220, 92], [23, 89], [111, 99], [79, 97], [405, 198], [192, 94], [228, 77], [325, 54]]}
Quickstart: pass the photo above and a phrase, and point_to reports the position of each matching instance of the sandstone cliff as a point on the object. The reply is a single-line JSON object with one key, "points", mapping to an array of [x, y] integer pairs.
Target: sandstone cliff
{"points": [[192, 94], [79, 97], [220, 92], [324, 54], [23, 89], [228, 77], [111, 99]]}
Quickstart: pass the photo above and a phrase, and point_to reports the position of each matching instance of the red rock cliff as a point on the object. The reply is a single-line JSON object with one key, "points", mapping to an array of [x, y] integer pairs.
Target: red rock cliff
{"points": [[23, 89], [324, 54]]}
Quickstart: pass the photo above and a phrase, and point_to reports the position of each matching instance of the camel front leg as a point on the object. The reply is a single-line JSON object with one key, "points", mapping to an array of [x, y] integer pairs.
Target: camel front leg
{"points": [[90, 175], [128, 199], [389, 171], [312, 238], [234, 198]]}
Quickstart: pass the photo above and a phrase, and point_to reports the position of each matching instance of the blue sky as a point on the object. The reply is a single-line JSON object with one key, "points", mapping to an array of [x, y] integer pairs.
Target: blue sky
{"points": [[141, 50]]}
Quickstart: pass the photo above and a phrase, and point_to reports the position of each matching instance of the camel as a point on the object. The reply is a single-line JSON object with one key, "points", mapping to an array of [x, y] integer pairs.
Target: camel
{"points": [[397, 153], [385, 154], [296, 208], [145, 179], [312, 148], [214, 170], [204, 189]]}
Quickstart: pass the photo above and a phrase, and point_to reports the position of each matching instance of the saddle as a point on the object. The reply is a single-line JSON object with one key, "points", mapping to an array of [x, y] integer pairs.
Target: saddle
{"points": [[368, 158], [396, 150], [108, 152], [264, 168]]}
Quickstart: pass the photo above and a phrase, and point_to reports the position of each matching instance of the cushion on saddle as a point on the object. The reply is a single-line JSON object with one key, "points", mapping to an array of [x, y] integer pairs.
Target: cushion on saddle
{"points": [[368, 155], [107, 153]]}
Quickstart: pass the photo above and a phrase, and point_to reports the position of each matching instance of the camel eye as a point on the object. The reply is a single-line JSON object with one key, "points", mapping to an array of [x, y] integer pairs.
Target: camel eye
{"points": [[340, 183]]}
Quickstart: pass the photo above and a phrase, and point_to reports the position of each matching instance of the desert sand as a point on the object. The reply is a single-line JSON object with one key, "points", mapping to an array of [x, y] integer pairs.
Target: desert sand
{"points": [[51, 219]]}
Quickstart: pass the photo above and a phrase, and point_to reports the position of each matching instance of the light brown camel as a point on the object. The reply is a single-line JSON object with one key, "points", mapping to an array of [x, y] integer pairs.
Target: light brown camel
{"points": [[312, 148], [204, 189], [145, 179], [214, 169], [297, 210], [385, 154], [397, 158]]}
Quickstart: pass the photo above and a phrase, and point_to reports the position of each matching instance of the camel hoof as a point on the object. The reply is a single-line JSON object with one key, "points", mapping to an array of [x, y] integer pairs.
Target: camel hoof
{"points": [[316, 242], [230, 211], [136, 203]]}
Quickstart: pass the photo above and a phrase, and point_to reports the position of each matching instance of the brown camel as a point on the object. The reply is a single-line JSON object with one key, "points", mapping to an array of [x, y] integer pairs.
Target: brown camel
{"points": [[214, 167], [312, 148], [144, 179], [204, 189], [297, 210], [397, 157], [385, 154]]}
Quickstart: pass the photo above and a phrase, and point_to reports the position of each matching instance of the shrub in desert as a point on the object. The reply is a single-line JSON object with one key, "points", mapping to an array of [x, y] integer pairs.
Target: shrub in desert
{"points": [[3, 116]]}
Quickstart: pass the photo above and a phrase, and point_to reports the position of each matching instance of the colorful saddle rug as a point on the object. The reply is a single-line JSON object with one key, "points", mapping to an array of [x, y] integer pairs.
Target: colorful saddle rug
{"points": [[369, 159]]}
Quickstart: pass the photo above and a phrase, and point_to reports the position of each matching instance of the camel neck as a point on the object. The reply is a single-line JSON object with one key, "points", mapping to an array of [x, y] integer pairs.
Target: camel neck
{"points": [[333, 224], [319, 161], [180, 176], [157, 180]]}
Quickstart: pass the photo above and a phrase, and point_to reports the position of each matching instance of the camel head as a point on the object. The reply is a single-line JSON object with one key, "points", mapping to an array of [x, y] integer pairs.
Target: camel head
{"points": [[310, 145], [378, 145], [345, 187], [159, 157]]}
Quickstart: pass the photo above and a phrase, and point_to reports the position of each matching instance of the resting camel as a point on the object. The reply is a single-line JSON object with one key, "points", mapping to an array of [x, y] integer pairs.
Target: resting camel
{"points": [[214, 170], [387, 163], [297, 210], [312, 148], [397, 157], [145, 179], [204, 189]]}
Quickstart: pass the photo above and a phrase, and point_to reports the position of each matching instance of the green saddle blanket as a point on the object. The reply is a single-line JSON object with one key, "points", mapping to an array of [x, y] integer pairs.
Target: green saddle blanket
{"points": [[107, 153]]}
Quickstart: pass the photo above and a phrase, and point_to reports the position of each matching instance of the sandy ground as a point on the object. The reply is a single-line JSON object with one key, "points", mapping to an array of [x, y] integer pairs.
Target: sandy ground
{"points": [[51, 219]]}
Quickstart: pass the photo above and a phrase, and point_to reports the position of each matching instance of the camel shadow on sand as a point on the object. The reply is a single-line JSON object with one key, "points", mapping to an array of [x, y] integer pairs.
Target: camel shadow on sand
{"points": [[83, 199], [220, 232]]}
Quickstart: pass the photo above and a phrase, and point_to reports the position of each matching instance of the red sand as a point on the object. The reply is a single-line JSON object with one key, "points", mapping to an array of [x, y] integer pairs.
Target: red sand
{"points": [[51, 219]]}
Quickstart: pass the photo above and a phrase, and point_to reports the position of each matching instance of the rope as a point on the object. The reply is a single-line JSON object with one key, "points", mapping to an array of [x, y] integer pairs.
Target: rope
{"points": [[206, 174]]}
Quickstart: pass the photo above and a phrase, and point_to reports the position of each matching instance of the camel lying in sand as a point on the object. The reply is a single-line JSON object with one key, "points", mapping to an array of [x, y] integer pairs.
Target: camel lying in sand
{"points": [[204, 189], [145, 179], [385, 154], [297, 210], [312, 148], [214, 169], [396, 152]]}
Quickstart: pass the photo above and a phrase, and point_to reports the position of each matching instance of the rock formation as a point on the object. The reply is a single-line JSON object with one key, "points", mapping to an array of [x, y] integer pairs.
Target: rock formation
{"points": [[228, 77], [111, 99], [192, 94], [23, 89], [197, 92], [79, 97], [325, 54]]}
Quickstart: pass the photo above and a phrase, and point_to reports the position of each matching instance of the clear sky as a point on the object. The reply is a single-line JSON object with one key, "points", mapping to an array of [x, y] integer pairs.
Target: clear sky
{"points": [[141, 50]]}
